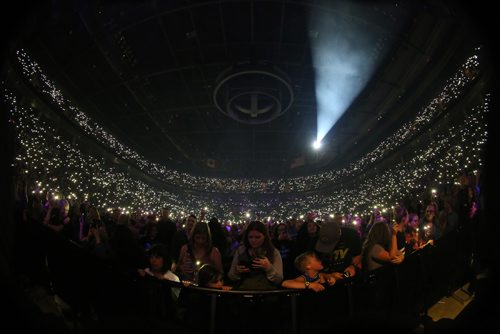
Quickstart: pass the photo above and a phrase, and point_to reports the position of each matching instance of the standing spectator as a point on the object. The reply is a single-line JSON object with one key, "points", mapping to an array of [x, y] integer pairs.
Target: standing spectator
{"points": [[166, 228], [284, 244], [451, 215], [429, 223], [257, 264], [400, 222], [307, 237], [57, 216], [180, 237], [380, 247], [339, 249], [150, 236], [198, 251], [219, 238]]}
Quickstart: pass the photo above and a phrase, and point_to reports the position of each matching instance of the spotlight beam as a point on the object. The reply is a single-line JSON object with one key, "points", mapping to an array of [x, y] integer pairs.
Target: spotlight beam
{"points": [[343, 63]]}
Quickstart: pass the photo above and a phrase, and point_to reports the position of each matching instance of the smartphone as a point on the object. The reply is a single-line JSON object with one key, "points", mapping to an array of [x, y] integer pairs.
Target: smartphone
{"points": [[245, 263]]}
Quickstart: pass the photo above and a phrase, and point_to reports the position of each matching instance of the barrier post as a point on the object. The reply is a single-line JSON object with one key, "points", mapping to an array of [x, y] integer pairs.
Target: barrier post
{"points": [[293, 309], [213, 306], [350, 299]]}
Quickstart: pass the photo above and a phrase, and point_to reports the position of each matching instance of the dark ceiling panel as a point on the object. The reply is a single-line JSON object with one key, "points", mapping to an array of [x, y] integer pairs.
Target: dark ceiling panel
{"points": [[91, 72], [237, 21], [213, 71], [268, 25], [125, 13], [170, 90], [296, 28], [214, 54], [150, 50], [180, 30], [208, 23], [69, 32], [293, 54], [171, 5], [233, 143]]}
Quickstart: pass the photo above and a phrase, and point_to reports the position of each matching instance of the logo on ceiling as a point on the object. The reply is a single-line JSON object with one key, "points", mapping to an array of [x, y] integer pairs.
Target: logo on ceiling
{"points": [[253, 94]]}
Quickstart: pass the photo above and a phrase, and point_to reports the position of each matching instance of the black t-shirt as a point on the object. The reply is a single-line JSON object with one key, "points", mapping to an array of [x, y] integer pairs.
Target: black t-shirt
{"points": [[400, 236], [348, 247]]}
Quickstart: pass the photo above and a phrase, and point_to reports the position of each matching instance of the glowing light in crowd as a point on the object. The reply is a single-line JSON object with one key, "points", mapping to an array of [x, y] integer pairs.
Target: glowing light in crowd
{"points": [[54, 163], [452, 90]]}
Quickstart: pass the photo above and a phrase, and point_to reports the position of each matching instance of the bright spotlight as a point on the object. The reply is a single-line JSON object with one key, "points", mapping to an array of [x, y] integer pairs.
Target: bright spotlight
{"points": [[316, 145], [343, 63]]}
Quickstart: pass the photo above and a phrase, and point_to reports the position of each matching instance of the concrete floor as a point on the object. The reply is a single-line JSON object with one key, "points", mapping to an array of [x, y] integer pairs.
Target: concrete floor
{"points": [[450, 307]]}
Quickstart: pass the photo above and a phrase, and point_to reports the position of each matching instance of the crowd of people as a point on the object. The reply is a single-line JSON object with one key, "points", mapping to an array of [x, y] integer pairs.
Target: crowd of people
{"points": [[313, 253]]}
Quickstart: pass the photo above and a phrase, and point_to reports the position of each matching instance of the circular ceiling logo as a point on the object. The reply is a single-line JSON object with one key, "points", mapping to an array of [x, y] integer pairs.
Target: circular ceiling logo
{"points": [[253, 96]]}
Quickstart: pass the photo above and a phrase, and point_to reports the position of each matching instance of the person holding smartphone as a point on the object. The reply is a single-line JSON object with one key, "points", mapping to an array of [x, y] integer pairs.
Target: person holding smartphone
{"points": [[257, 264]]}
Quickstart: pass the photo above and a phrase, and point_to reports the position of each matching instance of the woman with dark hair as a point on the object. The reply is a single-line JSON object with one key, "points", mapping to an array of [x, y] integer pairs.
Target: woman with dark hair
{"points": [[257, 264], [158, 299], [283, 242], [400, 222], [306, 237], [159, 264]]}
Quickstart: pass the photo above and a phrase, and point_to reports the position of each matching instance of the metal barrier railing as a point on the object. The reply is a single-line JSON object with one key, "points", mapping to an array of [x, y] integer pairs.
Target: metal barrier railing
{"points": [[416, 289]]}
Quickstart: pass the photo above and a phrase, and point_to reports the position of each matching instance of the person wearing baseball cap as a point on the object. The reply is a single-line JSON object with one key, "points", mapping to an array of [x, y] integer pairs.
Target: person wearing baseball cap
{"points": [[339, 249]]}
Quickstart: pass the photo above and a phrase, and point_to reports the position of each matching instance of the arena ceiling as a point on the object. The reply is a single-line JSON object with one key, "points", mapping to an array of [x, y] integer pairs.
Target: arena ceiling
{"points": [[227, 88]]}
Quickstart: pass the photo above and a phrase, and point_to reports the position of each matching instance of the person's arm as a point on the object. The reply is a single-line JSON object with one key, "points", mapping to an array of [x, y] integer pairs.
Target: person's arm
{"points": [[274, 273], [351, 269], [233, 273], [178, 267], [296, 283], [329, 278], [57, 228], [393, 251], [46, 219], [381, 255], [202, 215], [300, 283], [47, 222], [216, 259]]}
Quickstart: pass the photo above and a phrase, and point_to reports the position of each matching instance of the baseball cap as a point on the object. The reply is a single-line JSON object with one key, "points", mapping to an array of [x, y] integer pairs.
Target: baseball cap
{"points": [[329, 236]]}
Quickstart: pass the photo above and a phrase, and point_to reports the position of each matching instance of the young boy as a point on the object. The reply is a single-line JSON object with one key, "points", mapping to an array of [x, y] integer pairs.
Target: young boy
{"points": [[310, 266]]}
